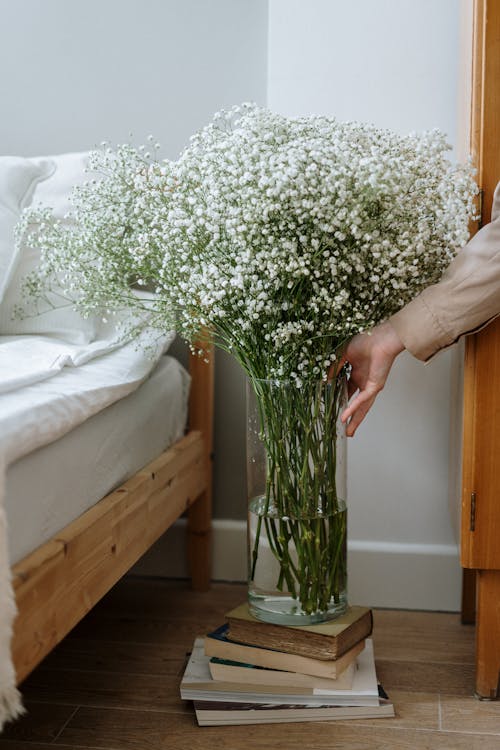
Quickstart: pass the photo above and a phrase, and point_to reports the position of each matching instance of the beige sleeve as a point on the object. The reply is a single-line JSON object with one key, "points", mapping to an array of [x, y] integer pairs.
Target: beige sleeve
{"points": [[465, 299]]}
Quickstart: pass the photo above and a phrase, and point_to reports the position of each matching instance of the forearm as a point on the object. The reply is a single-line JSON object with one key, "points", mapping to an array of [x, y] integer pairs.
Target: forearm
{"points": [[467, 297]]}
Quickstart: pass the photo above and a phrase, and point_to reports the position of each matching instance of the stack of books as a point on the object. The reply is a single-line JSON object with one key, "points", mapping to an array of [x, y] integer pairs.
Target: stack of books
{"points": [[251, 672]]}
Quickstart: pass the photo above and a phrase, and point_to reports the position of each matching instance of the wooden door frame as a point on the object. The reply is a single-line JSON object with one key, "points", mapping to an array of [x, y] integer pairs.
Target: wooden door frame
{"points": [[480, 363], [480, 526]]}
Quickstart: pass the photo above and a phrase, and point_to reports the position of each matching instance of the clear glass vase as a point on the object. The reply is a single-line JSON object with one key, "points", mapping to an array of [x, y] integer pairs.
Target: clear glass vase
{"points": [[297, 514]]}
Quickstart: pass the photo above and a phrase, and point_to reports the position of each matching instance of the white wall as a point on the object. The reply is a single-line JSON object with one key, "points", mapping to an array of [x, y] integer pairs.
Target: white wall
{"points": [[390, 62], [77, 72], [394, 63]]}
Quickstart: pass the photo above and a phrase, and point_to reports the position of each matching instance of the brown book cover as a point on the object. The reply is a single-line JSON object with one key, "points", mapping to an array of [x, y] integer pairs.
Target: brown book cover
{"points": [[325, 640]]}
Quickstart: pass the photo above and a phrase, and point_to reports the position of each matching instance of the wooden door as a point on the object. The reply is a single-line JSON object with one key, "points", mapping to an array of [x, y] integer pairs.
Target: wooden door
{"points": [[480, 535]]}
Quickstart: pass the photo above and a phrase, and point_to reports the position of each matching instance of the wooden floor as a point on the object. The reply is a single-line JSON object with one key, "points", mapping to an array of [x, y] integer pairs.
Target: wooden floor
{"points": [[113, 683]]}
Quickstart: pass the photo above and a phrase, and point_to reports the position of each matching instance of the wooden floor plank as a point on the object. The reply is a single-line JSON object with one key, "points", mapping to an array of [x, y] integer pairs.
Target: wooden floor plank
{"points": [[110, 656], [130, 730], [423, 636], [414, 711], [42, 723], [163, 614], [149, 596], [426, 676], [470, 716], [106, 690], [142, 630]]}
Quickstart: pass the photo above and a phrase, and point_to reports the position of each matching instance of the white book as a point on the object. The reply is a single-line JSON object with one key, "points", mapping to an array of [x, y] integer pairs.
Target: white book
{"points": [[226, 670], [197, 684]]}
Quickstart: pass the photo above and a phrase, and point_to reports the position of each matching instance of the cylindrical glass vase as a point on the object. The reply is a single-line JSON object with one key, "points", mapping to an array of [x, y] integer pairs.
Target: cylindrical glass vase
{"points": [[297, 515]]}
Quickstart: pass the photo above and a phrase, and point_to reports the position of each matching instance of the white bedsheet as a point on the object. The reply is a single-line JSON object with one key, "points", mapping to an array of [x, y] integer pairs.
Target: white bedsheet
{"points": [[29, 359], [53, 485], [64, 385], [45, 391]]}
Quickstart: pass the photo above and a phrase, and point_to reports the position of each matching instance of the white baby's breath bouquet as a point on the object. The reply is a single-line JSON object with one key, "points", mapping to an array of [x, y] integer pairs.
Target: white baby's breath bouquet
{"points": [[283, 237]]}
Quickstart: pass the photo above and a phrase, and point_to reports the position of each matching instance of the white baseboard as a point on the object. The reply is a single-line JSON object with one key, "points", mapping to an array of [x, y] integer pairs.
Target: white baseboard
{"points": [[405, 576], [381, 574]]}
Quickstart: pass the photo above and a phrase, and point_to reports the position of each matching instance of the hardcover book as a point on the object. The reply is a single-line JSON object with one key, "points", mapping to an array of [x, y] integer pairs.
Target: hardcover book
{"points": [[325, 640]]}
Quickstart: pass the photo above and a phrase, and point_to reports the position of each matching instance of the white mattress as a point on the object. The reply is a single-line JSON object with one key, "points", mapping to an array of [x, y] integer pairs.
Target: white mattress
{"points": [[48, 488]]}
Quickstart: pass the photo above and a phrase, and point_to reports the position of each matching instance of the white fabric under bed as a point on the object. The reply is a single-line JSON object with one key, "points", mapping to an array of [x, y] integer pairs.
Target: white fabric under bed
{"points": [[53, 485]]}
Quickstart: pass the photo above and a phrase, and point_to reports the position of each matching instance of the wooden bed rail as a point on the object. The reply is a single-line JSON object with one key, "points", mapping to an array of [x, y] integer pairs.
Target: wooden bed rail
{"points": [[58, 583]]}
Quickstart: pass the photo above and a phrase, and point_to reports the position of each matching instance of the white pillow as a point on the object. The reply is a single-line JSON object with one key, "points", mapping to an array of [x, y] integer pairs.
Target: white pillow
{"points": [[69, 171], [57, 319], [18, 179]]}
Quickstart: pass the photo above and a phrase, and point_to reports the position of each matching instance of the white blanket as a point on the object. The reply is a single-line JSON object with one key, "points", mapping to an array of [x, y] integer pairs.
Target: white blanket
{"points": [[48, 387]]}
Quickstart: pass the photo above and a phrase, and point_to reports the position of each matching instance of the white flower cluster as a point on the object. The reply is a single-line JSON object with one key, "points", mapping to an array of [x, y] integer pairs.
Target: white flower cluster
{"points": [[284, 236]]}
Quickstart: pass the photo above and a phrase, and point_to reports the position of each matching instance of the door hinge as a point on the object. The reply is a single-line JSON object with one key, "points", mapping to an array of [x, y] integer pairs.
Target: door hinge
{"points": [[472, 524]]}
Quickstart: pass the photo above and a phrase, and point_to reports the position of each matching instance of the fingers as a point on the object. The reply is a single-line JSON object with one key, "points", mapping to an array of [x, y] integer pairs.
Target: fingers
{"points": [[358, 409], [358, 417], [368, 395], [371, 356]]}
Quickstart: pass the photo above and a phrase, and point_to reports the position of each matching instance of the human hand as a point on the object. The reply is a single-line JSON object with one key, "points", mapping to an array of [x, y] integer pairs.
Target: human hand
{"points": [[371, 356]]}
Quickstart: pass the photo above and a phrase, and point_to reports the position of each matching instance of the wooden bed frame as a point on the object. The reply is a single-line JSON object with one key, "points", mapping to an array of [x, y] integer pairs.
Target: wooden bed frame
{"points": [[58, 583]]}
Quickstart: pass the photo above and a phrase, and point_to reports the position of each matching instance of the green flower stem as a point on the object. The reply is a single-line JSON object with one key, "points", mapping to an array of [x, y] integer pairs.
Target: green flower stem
{"points": [[304, 520]]}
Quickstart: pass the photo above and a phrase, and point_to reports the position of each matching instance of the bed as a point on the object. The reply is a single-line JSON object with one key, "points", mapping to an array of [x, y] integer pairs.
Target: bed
{"points": [[103, 444]]}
